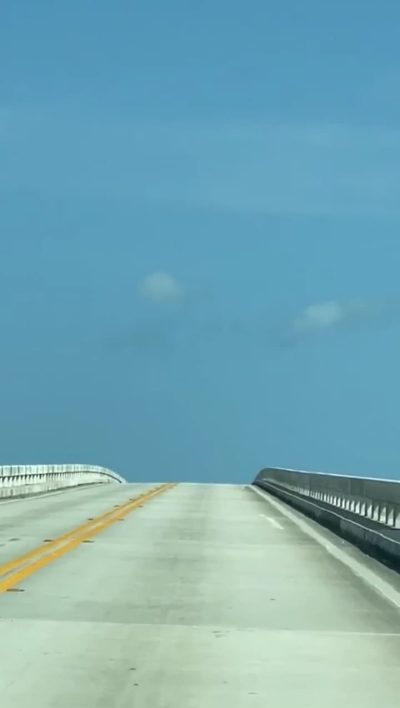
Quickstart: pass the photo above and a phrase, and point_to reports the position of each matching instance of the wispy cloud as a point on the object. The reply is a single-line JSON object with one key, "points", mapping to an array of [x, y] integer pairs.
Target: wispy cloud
{"points": [[161, 288], [155, 337], [309, 168], [336, 314], [329, 314], [274, 333]]}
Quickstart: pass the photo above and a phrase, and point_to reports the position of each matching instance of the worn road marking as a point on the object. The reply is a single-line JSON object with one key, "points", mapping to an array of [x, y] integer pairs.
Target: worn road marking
{"points": [[12, 572], [272, 521]]}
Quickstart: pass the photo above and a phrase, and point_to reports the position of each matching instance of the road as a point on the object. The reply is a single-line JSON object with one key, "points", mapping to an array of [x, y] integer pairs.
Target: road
{"points": [[204, 596]]}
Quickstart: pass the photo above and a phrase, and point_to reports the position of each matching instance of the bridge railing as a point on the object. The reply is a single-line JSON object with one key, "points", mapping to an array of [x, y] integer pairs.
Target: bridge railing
{"points": [[374, 499], [362, 510], [26, 480]]}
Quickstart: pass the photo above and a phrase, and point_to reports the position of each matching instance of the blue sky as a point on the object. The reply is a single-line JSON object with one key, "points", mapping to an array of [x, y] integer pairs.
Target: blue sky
{"points": [[199, 236]]}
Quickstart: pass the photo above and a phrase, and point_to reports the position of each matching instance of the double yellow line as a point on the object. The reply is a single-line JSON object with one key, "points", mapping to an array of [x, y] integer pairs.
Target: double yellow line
{"points": [[12, 572]]}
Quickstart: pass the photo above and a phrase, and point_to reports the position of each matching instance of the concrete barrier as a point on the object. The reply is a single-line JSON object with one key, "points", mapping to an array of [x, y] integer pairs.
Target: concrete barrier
{"points": [[365, 511], [27, 480]]}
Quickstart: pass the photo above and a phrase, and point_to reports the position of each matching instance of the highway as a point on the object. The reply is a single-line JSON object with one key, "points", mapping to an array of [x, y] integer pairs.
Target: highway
{"points": [[197, 596]]}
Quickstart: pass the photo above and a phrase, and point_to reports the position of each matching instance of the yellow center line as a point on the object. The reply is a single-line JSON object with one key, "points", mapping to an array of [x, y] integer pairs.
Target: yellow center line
{"points": [[79, 530], [30, 562]]}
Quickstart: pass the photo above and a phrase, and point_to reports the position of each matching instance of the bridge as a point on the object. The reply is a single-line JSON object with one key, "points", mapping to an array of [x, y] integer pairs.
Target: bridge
{"points": [[282, 593]]}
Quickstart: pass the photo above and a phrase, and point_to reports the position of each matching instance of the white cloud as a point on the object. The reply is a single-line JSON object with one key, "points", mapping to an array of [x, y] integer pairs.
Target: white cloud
{"points": [[321, 316], [332, 313], [161, 288]]}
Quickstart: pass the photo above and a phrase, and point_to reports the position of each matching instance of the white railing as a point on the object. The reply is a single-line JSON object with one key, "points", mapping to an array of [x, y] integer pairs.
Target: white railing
{"points": [[376, 499], [26, 480]]}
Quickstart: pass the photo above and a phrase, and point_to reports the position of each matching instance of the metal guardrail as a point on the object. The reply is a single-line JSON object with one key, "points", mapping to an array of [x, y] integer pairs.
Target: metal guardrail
{"points": [[362, 510], [23, 480], [374, 499]]}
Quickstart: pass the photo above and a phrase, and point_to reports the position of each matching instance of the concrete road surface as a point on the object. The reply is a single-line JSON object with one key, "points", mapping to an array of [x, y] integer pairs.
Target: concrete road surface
{"points": [[206, 596]]}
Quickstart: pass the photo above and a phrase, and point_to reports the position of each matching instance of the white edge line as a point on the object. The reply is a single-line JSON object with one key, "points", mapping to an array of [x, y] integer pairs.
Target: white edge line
{"points": [[272, 521], [357, 567]]}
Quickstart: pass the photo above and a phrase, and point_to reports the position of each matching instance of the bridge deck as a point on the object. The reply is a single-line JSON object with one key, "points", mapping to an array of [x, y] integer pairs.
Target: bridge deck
{"points": [[207, 596]]}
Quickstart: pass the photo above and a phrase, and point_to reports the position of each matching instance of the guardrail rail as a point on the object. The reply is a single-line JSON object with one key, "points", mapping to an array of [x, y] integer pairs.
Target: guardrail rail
{"points": [[364, 510], [27, 480]]}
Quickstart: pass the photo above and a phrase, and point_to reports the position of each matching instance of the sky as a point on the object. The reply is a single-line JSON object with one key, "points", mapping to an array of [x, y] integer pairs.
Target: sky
{"points": [[200, 236]]}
